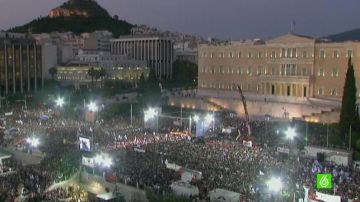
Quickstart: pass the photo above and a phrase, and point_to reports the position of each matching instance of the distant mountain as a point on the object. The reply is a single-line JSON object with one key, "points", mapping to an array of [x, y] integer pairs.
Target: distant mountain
{"points": [[77, 16], [352, 35]]}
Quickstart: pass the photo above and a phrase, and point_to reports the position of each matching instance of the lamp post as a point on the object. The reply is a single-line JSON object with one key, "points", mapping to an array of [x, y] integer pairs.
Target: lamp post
{"points": [[92, 107]]}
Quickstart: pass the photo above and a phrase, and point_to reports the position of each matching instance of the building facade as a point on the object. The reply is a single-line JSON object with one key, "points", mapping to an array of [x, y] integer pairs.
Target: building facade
{"points": [[157, 51], [291, 66], [20, 64]]}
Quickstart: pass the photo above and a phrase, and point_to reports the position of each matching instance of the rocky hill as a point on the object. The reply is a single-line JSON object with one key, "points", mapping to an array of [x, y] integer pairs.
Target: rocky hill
{"points": [[76, 16]]}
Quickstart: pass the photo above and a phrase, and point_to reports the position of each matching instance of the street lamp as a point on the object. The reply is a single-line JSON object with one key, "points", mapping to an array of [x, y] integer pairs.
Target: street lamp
{"points": [[92, 107], [59, 101], [290, 133], [33, 141]]}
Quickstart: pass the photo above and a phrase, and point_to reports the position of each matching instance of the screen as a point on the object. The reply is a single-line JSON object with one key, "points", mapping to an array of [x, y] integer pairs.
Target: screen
{"points": [[84, 144]]}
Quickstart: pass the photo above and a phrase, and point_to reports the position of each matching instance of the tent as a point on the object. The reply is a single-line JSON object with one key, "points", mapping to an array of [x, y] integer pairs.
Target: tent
{"points": [[182, 188], [222, 195]]}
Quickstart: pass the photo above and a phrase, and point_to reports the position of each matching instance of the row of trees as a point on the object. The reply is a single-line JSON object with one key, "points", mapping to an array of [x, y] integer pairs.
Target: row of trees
{"points": [[96, 74], [92, 72]]}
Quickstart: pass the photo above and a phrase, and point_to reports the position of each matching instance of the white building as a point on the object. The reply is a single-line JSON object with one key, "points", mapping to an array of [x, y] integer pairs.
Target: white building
{"points": [[157, 51]]}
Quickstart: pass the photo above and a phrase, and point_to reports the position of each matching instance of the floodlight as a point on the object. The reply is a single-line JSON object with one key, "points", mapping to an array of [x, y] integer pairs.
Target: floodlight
{"points": [[92, 107], [59, 102], [209, 118], [196, 118], [275, 184], [34, 142], [290, 133]]}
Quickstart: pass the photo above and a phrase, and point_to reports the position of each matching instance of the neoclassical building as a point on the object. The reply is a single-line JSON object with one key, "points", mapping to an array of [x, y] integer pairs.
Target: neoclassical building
{"points": [[20, 64], [296, 74]]}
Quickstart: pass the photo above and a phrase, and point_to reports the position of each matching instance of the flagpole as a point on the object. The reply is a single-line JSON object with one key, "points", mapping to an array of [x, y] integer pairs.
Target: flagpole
{"points": [[327, 135], [350, 139]]}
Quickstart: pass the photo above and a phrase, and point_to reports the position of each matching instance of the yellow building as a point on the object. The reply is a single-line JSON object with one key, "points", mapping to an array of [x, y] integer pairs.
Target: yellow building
{"points": [[291, 69]]}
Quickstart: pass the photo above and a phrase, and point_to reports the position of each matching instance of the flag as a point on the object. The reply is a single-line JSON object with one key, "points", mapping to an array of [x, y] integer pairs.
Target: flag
{"points": [[261, 173]]}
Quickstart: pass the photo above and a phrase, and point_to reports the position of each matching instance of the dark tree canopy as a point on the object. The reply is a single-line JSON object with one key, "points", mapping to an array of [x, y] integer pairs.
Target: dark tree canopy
{"points": [[348, 105]]}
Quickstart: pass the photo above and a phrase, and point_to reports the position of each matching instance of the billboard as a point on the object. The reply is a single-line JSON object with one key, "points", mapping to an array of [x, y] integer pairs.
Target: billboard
{"points": [[84, 144]]}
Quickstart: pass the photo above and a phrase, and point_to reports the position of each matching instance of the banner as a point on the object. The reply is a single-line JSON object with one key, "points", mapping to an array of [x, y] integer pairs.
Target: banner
{"points": [[283, 150], [8, 113], [247, 143], [86, 161]]}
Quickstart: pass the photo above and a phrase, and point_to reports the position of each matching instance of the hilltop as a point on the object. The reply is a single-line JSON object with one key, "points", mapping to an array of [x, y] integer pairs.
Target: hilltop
{"points": [[76, 16]]}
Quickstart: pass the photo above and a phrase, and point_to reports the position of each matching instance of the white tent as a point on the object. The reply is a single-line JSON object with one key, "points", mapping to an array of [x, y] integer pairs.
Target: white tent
{"points": [[181, 188], [222, 195]]}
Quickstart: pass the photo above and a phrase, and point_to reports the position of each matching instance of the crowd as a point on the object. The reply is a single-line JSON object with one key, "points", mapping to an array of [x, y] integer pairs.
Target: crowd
{"points": [[223, 161]]}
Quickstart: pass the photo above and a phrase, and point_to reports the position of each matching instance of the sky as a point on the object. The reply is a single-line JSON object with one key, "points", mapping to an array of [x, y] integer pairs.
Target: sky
{"points": [[225, 19]]}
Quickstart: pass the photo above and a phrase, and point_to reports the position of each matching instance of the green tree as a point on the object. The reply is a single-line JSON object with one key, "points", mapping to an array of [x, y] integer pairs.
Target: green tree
{"points": [[142, 84], [102, 73], [152, 91], [53, 72], [348, 105], [185, 73], [91, 72]]}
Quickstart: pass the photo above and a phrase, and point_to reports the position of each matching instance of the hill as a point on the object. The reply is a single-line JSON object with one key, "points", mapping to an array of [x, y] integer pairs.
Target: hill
{"points": [[76, 16], [352, 35], [84, 8]]}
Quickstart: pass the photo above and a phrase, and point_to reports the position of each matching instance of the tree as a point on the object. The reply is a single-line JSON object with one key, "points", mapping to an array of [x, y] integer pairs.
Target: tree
{"points": [[152, 88], [348, 105], [142, 84], [102, 73], [91, 72], [53, 72], [184, 72]]}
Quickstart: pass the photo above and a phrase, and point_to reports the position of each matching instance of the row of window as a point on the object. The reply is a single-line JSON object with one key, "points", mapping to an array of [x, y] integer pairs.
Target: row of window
{"points": [[335, 54], [285, 53], [285, 70], [231, 86], [332, 91]]}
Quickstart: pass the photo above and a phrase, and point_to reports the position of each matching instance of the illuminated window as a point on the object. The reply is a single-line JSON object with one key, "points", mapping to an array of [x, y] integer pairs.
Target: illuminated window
{"points": [[336, 54], [322, 54], [349, 53], [321, 72], [321, 91]]}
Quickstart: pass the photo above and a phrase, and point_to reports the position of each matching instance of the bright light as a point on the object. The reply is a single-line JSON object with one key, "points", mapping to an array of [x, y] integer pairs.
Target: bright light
{"points": [[107, 161], [196, 118], [103, 160], [92, 107], [274, 184], [150, 114], [290, 133], [34, 142], [59, 102], [209, 118]]}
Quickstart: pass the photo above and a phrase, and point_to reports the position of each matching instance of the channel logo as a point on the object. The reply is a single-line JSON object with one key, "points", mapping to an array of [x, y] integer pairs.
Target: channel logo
{"points": [[324, 181]]}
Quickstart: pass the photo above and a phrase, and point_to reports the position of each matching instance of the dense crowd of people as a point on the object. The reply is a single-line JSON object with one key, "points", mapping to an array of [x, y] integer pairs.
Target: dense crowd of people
{"points": [[224, 161]]}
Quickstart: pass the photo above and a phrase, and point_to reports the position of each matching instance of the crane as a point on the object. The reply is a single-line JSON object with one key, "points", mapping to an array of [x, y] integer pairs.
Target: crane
{"points": [[247, 120]]}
